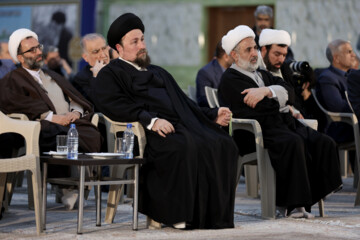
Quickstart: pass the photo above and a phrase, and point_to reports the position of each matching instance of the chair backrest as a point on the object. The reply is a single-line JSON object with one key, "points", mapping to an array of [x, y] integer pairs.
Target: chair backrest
{"points": [[192, 93], [95, 119], [30, 132], [211, 96], [349, 118], [112, 127], [348, 101]]}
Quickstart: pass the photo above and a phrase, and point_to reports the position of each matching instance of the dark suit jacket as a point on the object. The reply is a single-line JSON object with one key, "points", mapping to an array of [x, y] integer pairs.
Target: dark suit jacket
{"points": [[209, 76], [354, 91], [330, 90], [82, 80]]}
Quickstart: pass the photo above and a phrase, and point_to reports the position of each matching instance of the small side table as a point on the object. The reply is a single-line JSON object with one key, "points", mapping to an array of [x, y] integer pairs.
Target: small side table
{"points": [[82, 162]]}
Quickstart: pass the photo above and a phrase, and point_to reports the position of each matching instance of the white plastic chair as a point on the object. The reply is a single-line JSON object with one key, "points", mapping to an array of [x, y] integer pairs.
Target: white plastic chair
{"points": [[351, 119], [211, 97], [30, 130], [192, 93], [116, 191]]}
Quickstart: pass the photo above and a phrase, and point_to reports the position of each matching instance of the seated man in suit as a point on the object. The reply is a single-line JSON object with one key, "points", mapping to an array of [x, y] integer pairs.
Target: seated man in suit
{"points": [[354, 91], [47, 97], [95, 52], [211, 73], [189, 179], [305, 161], [332, 84]]}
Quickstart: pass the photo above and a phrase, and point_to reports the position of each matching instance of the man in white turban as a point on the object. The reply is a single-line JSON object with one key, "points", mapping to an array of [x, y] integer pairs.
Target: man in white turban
{"points": [[45, 96], [305, 161]]}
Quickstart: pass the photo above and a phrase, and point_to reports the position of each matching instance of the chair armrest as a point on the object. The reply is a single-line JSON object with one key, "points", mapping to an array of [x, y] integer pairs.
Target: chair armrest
{"points": [[95, 119], [250, 125], [312, 123], [30, 130], [112, 127], [19, 116]]}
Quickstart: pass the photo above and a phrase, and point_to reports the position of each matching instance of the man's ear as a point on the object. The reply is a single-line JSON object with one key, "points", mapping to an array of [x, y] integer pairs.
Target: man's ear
{"points": [[234, 55], [119, 49], [20, 58], [85, 56]]}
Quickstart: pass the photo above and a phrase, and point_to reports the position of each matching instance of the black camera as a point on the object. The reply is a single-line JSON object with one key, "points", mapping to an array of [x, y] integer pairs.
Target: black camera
{"points": [[302, 73], [299, 67]]}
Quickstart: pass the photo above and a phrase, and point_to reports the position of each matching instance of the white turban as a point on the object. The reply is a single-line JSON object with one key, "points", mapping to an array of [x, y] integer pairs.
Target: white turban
{"points": [[234, 36], [16, 38], [272, 36]]}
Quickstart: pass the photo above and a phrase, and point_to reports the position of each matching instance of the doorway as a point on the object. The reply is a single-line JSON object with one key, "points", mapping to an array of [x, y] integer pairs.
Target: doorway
{"points": [[223, 19]]}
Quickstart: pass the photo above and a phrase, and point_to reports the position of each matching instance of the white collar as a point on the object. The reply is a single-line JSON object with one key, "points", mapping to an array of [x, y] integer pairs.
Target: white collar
{"points": [[134, 65], [35, 74]]}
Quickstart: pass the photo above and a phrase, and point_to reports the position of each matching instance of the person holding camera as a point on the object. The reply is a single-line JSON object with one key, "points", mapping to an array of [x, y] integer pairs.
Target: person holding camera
{"points": [[305, 161], [274, 45]]}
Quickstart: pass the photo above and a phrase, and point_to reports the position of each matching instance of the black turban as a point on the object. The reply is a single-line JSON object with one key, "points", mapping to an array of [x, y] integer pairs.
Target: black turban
{"points": [[121, 26]]}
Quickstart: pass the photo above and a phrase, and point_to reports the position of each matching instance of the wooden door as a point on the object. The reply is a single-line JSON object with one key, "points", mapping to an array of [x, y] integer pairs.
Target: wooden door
{"points": [[223, 19]]}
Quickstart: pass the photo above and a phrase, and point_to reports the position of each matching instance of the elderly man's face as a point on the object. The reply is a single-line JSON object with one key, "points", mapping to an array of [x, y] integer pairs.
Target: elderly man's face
{"points": [[96, 50], [345, 57], [31, 59], [246, 55], [275, 57], [133, 48], [262, 21]]}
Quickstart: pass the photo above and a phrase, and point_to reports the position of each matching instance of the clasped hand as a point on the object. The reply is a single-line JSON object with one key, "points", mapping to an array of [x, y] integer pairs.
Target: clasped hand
{"points": [[224, 116], [163, 127], [66, 119]]}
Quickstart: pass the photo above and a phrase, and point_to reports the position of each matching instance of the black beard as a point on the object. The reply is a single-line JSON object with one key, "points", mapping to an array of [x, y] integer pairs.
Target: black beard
{"points": [[33, 64], [143, 63], [269, 66]]}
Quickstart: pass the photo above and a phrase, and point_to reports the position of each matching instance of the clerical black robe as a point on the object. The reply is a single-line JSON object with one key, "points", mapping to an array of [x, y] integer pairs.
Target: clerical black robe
{"points": [[305, 161], [190, 175]]}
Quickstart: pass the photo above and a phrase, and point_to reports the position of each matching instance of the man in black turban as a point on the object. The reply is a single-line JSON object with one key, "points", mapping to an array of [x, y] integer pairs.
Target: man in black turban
{"points": [[189, 179]]}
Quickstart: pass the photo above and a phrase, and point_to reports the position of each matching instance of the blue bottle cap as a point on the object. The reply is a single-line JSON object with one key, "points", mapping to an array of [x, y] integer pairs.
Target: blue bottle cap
{"points": [[129, 125], [72, 125]]}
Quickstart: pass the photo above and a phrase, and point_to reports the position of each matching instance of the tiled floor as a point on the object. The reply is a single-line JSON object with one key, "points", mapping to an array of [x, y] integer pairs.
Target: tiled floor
{"points": [[342, 221]]}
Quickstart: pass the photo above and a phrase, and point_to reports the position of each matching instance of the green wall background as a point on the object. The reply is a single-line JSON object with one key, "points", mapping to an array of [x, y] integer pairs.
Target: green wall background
{"points": [[184, 75]]}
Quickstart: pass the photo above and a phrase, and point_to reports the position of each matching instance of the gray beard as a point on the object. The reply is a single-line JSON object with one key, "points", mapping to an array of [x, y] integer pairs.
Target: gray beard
{"points": [[247, 65], [33, 65]]}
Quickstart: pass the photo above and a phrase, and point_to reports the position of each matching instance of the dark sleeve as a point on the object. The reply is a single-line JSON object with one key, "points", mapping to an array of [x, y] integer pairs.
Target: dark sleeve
{"points": [[229, 91], [82, 85], [273, 80], [202, 80], [330, 93], [113, 97], [211, 113], [354, 91]]}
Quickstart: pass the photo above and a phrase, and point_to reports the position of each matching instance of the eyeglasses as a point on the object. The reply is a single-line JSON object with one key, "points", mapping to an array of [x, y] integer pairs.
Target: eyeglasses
{"points": [[33, 49]]}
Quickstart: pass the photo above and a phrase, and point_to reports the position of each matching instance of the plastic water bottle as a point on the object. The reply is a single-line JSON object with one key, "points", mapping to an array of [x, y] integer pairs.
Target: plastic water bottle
{"points": [[72, 142], [129, 140]]}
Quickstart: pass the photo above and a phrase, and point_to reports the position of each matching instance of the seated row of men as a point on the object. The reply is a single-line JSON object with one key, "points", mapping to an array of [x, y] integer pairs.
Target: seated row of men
{"points": [[189, 180]]}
